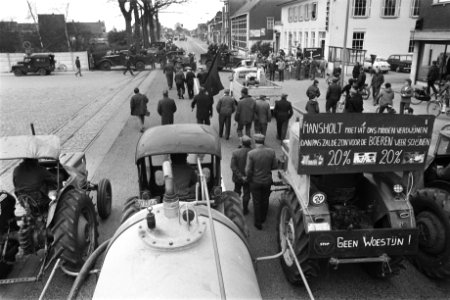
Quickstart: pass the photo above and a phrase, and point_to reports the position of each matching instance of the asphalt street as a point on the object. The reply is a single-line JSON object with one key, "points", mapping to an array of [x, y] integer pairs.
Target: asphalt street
{"points": [[110, 155]]}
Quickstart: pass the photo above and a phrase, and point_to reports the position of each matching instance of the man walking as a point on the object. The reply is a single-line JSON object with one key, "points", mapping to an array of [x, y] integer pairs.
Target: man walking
{"points": [[166, 108], [260, 163], [204, 104], [262, 115], [281, 66], [432, 76], [138, 105], [179, 82], [313, 90], [283, 112], [225, 108], [169, 70], [128, 65], [361, 81], [78, 65], [272, 69], [238, 163], [333, 96], [245, 112], [356, 70], [190, 82], [377, 81]]}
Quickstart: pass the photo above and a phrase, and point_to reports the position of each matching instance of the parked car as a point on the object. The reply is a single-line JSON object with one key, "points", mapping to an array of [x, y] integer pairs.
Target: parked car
{"points": [[40, 63], [380, 63], [400, 62]]}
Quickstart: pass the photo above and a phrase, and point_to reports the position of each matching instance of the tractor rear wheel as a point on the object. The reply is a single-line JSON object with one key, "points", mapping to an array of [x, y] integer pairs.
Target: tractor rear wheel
{"points": [[74, 228], [291, 226], [129, 209], [233, 210], [432, 211], [42, 72], [104, 198], [105, 66]]}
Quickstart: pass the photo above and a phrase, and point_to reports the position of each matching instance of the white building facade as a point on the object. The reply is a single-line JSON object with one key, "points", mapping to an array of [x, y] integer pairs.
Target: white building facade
{"points": [[304, 24]]}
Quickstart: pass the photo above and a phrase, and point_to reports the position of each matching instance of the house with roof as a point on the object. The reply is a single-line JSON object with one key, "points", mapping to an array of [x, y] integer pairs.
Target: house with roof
{"points": [[254, 22]]}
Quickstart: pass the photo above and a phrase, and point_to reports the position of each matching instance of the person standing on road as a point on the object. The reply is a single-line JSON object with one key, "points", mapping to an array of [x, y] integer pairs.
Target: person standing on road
{"points": [[169, 70], [245, 112], [313, 69], [225, 108], [179, 82], [361, 81], [262, 115], [356, 70], [272, 69], [78, 65], [260, 163], [333, 95], [238, 163], [283, 112], [354, 103], [166, 108], [281, 66], [313, 91], [312, 106], [204, 104], [202, 76], [377, 81], [190, 82], [432, 76], [406, 93], [138, 105], [385, 98], [128, 65]]}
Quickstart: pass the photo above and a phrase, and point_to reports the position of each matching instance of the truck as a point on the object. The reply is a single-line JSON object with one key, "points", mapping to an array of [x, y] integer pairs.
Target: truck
{"points": [[40, 63], [240, 76], [118, 58]]}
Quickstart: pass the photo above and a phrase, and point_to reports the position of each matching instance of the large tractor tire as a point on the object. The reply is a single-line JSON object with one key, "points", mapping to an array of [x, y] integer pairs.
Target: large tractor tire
{"points": [[105, 66], [129, 209], [291, 226], [104, 198], [432, 212], [233, 210], [75, 228]]}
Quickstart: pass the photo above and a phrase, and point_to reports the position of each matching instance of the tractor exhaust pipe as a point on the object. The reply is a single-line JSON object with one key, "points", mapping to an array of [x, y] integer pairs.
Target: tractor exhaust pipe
{"points": [[171, 202]]}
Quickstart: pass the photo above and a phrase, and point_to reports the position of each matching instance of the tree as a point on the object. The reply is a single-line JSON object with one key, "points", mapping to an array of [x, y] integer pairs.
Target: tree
{"points": [[263, 48], [117, 38], [128, 18]]}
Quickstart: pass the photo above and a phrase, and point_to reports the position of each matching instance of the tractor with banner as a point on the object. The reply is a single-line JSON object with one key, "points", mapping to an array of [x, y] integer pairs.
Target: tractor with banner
{"points": [[351, 197]]}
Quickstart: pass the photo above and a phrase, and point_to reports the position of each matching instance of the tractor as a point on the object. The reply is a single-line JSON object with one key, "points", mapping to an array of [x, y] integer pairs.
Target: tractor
{"points": [[351, 196], [63, 222]]}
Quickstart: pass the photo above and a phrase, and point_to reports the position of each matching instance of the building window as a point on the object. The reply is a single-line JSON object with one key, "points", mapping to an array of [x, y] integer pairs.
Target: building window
{"points": [[270, 23], [411, 46], [314, 11], [361, 8], [300, 37], [415, 4], [390, 8], [306, 39], [300, 13], [306, 8], [358, 40], [295, 38], [294, 14], [290, 15], [313, 39], [239, 31], [290, 41]]}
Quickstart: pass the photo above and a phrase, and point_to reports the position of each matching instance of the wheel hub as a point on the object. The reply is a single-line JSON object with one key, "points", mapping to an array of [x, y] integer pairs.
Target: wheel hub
{"points": [[431, 233]]}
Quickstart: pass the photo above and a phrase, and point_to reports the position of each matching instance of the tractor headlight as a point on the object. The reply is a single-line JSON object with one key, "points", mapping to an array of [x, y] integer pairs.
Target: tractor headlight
{"points": [[52, 195], [318, 198], [398, 189], [217, 191]]}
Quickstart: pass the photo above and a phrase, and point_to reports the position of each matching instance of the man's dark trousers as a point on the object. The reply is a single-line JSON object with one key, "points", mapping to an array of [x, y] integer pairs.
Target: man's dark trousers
{"points": [[248, 128], [282, 125], [430, 84], [203, 121], [169, 77], [224, 120], [260, 194], [245, 188], [190, 89]]}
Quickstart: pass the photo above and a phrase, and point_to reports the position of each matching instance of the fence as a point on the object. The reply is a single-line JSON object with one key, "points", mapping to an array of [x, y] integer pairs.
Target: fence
{"points": [[65, 61]]}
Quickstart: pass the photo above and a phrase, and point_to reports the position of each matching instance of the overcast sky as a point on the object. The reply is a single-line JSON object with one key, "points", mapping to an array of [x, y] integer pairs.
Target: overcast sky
{"points": [[189, 14]]}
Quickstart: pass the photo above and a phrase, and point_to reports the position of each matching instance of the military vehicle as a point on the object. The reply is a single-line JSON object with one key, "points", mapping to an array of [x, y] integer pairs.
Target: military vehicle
{"points": [[40, 63], [118, 58]]}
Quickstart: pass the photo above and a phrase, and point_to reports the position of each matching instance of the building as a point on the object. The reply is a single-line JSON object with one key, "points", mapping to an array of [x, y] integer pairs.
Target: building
{"points": [[229, 8], [215, 28], [431, 38], [304, 24], [254, 22]]}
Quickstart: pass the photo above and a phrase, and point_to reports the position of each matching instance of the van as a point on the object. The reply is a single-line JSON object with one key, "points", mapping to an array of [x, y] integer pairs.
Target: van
{"points": [[400, 62]]}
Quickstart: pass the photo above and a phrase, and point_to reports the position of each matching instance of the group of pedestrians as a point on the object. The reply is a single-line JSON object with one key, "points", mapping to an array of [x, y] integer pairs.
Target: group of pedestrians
{"points": [[182, 81]]}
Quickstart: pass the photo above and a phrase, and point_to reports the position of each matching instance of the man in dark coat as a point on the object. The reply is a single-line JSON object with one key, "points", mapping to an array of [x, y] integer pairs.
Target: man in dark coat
{"points": [[313, 91], [432, 76], [169, 70], [238, 162], [245, 113], [225, 108], [260, 163], [138, 105], [201, 75], [361, 81], [166, 108], [78, 65], [356, 70], [190, 82], [377, 81], [272, 69], [354, 103], [283, 112], [128, 65], [179, 82], [333, 96], [204, 104], [262, 115]]}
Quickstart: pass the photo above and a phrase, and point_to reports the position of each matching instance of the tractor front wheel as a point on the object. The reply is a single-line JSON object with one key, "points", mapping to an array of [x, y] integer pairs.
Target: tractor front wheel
{"points": [[432, 211], [233, 210], [129, 208], [291, 226], [74, 228], [104, 198]]}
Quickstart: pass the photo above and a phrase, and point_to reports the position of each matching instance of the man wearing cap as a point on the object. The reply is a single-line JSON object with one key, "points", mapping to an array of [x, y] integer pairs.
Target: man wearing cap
{"points": [[166, 108], [283, 112], [245, 113], [204, 104], [333, 96], [262, 115], [225, 108], [169, 69], [179, 82], [138, 106], [260, 163], [238, 163], [190, 82], [313, 91]]}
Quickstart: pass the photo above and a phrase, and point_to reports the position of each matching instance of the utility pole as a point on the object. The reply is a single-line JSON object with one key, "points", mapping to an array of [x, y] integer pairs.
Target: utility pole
{"points": [[344, 48]]}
